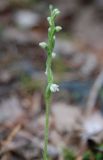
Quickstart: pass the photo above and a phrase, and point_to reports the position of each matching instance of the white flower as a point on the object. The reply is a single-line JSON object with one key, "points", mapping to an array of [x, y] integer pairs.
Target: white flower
{"points": [[54, 88], [53, 54], [56, 11], [43, 45], [58, 28]]}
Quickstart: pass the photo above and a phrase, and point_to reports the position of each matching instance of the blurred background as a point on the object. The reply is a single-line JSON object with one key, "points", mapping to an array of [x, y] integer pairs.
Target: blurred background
{"points": [[76, 118]]}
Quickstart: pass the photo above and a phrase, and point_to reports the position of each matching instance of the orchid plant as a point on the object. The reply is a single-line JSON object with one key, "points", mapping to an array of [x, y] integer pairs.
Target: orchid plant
{"points": [[51, 86]]}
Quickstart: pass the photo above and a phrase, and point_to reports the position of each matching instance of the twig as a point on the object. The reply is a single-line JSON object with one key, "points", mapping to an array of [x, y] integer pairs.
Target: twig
{"points": [[10, 138], [94, 93]]}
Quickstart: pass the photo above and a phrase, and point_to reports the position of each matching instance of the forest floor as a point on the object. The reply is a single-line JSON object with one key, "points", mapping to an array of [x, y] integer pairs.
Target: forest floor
{"points": [[76, 117]]}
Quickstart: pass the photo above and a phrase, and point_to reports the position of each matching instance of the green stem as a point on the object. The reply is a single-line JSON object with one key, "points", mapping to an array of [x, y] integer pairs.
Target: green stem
{"points": [[49, 49], [45, 154]]}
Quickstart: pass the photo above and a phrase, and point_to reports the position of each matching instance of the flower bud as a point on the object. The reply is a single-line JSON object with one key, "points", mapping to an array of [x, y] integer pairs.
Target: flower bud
{"points": [[54, 38], [49, 20], [43, 45], [58, 28], [51, 7], [46, 72], [49, 29], [53, 54]]}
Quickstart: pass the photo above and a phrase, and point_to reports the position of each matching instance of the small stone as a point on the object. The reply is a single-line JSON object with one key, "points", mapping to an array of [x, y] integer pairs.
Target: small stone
{"points": [[26, 19], [10, 110], [71, 116]]}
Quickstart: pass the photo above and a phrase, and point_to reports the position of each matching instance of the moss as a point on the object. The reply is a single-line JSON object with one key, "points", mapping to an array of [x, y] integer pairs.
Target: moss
{"points": [[68, 154], [87, 155]]}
